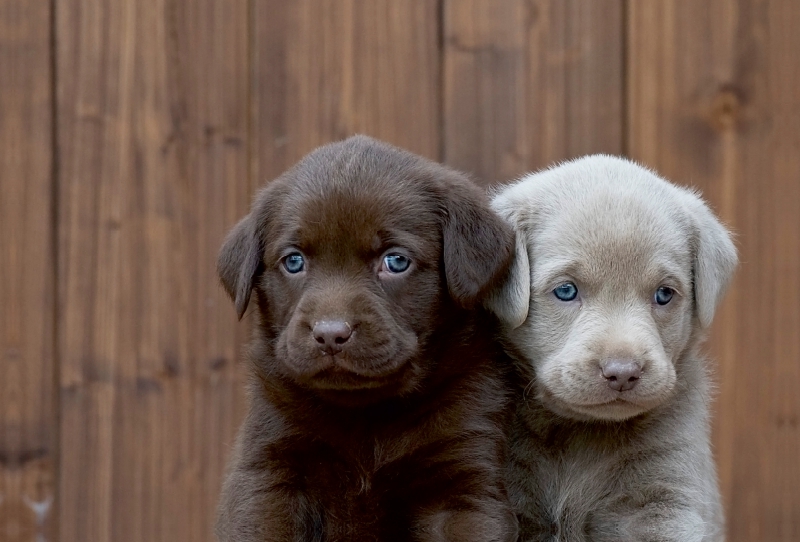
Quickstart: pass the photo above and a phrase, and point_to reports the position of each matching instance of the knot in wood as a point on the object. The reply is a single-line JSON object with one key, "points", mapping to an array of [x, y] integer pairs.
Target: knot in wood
{"points": [[725, 109]]}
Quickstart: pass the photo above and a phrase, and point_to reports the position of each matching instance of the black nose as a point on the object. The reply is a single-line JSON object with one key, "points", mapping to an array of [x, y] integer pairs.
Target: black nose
{"points": [[621, 374], [331, 335]]}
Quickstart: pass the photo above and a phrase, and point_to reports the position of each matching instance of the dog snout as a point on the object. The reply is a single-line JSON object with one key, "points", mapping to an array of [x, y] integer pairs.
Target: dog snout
{"points": [[621, 374], [331, 335]]}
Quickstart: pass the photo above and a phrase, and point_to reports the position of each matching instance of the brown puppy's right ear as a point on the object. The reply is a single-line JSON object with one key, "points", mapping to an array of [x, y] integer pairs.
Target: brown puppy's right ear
{"points": [[239, 262]]}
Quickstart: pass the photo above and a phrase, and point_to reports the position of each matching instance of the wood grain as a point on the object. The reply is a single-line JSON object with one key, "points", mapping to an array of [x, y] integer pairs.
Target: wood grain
{"points": [[528, 83], [325, 70], [714, 104], [120, 387], [153, 139], [28, 437]]}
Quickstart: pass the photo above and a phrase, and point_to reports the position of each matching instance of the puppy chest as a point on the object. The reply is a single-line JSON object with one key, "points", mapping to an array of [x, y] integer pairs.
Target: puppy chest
{"points": [[357, 499], [557, 493]]}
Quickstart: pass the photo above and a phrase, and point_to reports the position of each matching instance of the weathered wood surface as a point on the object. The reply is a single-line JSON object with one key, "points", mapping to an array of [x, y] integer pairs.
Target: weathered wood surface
{"points": [[713, 103], [325, 70], [121, 382], [529, 83], [153, 147], [28, 419]]}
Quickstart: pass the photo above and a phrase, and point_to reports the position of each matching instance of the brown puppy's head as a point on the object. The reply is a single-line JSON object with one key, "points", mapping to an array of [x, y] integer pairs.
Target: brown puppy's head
{"points": [[358, 255], [618, 272]]}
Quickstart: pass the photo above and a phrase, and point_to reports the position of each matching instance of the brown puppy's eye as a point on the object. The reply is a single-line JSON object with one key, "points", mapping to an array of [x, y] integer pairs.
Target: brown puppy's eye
{"points": [[396, 263], [294, 262], [664, 295]]}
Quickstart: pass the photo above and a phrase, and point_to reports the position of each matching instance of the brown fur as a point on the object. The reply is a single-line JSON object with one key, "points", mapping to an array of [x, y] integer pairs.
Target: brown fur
{"points": [[399, 436]]}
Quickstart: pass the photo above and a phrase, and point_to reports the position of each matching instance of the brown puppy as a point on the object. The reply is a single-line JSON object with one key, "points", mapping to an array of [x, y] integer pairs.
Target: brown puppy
{"points": [[378, 397]]}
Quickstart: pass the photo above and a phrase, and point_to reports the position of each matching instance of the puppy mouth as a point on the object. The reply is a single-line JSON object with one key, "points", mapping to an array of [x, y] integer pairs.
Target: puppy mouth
{"points": [[615, 408], [620, 404], [619, 400], [374, 356], [640, 399], [336, 377], [338, 372]]}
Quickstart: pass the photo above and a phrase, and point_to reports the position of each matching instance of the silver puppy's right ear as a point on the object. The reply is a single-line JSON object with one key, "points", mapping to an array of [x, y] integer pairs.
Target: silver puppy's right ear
{"points": [[510, 300], [239, 262], [715, 259]]}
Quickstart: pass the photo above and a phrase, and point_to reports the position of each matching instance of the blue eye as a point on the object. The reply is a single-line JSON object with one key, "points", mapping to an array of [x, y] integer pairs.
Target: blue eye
{"points": [[566, 292], [664, 295], [396, 263], [294, 262]]}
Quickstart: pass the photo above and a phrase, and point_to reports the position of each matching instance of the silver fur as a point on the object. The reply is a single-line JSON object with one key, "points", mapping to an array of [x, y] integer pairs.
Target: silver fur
{"points": [[589, 463]]}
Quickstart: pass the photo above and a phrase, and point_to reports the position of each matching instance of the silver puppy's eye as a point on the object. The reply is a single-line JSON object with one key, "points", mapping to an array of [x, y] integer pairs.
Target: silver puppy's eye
{"points": [[664, 295], [396, 263], [294, 262], [566, 292]]}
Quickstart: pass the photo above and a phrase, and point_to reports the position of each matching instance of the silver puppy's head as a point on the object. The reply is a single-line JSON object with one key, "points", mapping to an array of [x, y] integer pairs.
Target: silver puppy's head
{"points": [[616, 272]]}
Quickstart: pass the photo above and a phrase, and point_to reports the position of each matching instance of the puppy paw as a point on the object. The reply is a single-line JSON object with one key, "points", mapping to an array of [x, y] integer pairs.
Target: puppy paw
{"points": [[498, 525], [655, 524]]}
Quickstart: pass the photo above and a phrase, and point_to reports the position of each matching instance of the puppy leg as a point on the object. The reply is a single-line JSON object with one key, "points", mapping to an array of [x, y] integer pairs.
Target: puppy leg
{"points": [[683, 510], [254, 510], [655, 523], [487, 521]]}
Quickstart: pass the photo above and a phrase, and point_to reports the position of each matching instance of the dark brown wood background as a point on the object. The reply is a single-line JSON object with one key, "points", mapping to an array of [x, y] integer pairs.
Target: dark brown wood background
{"points": [[134, 132]]}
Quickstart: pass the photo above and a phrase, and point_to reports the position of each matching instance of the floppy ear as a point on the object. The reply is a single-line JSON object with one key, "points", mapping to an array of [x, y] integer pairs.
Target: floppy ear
{"points": [[478, 244], [239, 262], [510, 300], [714, 259]]}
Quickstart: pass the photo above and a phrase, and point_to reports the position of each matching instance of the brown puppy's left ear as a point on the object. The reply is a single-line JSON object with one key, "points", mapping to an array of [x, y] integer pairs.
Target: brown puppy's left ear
{"points": [[239, 262], [478, 244]]}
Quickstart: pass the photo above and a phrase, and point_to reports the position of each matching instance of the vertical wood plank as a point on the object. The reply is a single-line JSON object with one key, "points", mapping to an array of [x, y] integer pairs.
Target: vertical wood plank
{"points": [[153, 139], [28, 426], [530, 82], [714, 104], [324, 70]]}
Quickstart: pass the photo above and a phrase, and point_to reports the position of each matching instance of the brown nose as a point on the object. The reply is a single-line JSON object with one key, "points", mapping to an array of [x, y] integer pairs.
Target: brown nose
{"points": [[331, 335], [621, 374]]}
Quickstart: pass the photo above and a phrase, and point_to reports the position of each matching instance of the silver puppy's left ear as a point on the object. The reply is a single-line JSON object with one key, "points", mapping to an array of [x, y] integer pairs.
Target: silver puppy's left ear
{"points": [[715, 259], [510, 299]]}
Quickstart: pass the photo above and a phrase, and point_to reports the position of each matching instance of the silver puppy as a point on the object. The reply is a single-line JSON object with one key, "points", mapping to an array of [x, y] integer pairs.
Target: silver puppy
{"points": [[615, 282]]}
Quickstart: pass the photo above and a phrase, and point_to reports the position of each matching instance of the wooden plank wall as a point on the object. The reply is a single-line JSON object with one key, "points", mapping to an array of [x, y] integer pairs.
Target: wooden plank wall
{"points": [[713, 101], [323, 70], [28, 417], [133, 134], [153, 145], [530, 83]]}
